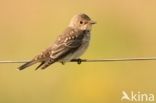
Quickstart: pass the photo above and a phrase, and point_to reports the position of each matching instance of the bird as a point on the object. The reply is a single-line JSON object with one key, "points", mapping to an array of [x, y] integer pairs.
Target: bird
{"points": [[69, 45]]}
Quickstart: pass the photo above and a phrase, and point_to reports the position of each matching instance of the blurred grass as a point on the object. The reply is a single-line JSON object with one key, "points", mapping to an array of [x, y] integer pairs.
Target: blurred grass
{"points": [[124, 29]]}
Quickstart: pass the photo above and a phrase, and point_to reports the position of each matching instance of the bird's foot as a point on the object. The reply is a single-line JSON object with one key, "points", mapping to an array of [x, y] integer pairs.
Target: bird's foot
{"points": [[77, 60], [62, 63]]}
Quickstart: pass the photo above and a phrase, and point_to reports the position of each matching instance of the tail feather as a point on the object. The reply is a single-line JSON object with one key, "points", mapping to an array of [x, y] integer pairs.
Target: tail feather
{"points": [[27, 64], [40, 65], [48, 63]]}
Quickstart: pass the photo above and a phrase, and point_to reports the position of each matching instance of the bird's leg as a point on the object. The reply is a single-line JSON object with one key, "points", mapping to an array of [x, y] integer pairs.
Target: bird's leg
{"points": [[62, 62], [77, 60]]}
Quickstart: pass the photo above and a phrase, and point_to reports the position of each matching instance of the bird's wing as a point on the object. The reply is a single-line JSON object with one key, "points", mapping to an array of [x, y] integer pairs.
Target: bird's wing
{"points": [[66, 43]]}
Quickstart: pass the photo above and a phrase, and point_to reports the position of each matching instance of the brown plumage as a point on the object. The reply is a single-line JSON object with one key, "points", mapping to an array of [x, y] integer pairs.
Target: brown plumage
{"points": [[69, 45]]}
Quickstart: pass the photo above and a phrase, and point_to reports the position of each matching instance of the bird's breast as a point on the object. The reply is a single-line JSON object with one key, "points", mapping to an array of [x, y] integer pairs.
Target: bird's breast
{"points": [[84, 45]]}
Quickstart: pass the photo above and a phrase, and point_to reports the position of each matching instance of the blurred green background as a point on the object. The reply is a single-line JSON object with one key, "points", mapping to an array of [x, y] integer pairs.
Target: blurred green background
{"points": [[125, 28]]}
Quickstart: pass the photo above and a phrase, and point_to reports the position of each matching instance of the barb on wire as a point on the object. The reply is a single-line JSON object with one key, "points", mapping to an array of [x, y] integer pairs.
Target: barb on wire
{"points": [[93, 60]]}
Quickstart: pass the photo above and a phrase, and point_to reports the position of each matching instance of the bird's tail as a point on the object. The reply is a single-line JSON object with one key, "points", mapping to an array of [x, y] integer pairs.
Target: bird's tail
{"points": [[47, 63], [27, 64]]}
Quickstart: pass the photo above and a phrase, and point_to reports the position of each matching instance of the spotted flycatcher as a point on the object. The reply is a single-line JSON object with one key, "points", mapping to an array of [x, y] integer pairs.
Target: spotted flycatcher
{"points": [[70, 45]]}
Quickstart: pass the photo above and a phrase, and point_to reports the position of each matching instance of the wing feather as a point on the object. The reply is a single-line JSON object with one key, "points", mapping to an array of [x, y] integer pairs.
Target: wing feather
{"points": [[66, 43]]}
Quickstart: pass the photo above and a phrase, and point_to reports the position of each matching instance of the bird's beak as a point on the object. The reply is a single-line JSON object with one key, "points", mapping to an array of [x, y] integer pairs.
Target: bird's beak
{"points": [[92, 22]]}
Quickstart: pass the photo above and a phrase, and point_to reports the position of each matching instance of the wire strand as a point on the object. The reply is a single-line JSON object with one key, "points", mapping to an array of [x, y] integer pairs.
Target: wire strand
{"points": [[91, 60]]}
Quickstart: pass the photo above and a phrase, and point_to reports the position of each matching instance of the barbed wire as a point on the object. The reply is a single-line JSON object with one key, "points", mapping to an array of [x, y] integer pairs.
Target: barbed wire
{"points": [[91, 60]]}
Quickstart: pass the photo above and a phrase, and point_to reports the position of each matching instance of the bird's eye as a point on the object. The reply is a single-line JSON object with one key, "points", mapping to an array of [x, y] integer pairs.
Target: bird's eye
{"points": [[81, 22]]}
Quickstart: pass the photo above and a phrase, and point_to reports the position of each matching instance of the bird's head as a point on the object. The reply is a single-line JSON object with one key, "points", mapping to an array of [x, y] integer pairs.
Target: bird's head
{"points": [[81, 22]]}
